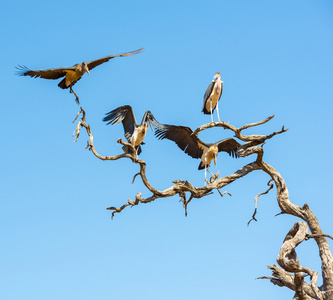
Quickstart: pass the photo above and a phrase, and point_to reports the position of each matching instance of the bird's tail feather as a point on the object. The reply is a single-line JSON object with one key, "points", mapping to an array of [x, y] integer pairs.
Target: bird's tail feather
{"points": [[129, 150], [201, 166], [62, 84]]}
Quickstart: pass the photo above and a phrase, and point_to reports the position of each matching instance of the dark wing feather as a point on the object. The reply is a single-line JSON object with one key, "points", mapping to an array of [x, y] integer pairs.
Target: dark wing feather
{"points": [[183, 137], [148, 117], [125, 115], [46, 73], [228, 145], [207, 95], [94, 63]]}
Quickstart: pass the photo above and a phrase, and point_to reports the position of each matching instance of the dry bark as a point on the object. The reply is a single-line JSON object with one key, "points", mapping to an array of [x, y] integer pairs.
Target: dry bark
{"points": [[292, 273]]}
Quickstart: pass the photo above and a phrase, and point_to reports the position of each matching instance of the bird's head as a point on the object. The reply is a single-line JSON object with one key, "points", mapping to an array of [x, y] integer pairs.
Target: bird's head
{"points": [[85, 68], [217, 75]]}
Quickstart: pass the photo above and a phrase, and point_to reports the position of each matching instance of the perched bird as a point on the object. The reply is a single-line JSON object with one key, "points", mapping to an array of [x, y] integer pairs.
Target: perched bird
{"points": [[71, 74], [194, 147], [134, 133], [212, 96]]}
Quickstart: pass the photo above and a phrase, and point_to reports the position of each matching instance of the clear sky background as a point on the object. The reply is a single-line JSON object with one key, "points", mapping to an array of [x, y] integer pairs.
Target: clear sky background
{"points": [[57, 239]]}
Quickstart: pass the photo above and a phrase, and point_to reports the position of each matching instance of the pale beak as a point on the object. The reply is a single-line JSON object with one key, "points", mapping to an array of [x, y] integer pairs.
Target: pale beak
{"points": [[86, 68], [215, 159]]}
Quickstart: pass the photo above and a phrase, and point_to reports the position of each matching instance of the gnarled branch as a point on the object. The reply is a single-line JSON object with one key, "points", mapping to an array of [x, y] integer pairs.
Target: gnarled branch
{"points": [[256, 201], [292, 274], [179, 187]]}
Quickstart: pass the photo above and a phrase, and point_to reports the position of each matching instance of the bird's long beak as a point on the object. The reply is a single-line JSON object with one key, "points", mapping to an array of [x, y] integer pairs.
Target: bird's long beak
{"points": [[215, 159], [87, 70]]}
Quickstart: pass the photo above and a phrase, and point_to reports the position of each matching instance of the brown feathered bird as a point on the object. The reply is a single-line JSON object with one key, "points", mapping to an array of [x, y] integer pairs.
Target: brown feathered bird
{"points": [[185, 139], [71, 74], [212, 96], [134, 133]]}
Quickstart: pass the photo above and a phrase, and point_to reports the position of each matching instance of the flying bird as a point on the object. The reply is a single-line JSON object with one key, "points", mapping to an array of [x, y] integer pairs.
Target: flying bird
{"points": [[194, 147], [71, 74], [134, 133], [212, 96]]}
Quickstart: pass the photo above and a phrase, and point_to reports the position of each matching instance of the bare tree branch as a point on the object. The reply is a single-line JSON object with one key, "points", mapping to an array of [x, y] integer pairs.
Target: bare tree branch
{"points": [[292, 275], [256, 201], [313, 236], [178, 188], [283, 278], [225, 192], [228, 126], [308, 216], [135, 177], [288, 260]]}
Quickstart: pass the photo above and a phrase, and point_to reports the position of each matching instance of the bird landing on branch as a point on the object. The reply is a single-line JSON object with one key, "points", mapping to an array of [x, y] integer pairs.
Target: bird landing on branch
{"points": [[134, 133], [194, 147]]}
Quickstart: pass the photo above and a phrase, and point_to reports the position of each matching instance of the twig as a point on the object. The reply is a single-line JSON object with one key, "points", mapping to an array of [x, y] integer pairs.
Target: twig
{"points": [[256, 123], [256, 201], [135, 177], [313, 236], [222, 194]]}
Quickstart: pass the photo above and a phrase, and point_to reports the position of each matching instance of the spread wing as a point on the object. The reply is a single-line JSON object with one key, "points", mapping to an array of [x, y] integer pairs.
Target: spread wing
{"points": [[46, 73], [94, 63], [125, 115], [228, 145], [148, 117], [183, 137]]}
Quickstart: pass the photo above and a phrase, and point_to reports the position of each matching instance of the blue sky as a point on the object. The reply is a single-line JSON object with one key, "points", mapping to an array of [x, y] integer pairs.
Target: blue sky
{"points": [[59, 242]]}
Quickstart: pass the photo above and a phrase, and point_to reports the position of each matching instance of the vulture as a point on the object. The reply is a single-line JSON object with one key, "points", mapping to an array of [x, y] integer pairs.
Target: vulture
{"points": [[212, 96], [185, 139], [134, 133], [71, 74]]}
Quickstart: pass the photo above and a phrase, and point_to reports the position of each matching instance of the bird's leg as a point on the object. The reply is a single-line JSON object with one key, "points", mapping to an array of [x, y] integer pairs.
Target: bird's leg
{"points": [[217, 110], [206, 181], [209, 171], [76, 97]]}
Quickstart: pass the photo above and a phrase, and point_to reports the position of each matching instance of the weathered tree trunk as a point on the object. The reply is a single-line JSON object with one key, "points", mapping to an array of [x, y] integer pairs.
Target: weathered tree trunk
{"points": [[287, 258]]}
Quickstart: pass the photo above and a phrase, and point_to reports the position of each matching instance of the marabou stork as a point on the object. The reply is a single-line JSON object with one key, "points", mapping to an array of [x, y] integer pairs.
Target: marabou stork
{"points": [[212, 96], [134, 133], [71, 74], [194, 147]]}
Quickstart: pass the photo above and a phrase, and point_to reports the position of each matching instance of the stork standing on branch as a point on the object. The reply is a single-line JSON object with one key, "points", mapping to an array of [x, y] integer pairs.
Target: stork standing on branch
{"points": [[134, 133], [194, 147], [212, 96], [71, 74]]}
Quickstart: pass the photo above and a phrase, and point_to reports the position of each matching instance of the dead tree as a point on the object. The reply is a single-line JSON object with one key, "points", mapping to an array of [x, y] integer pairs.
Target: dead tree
{"points": [[291, 273]]}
